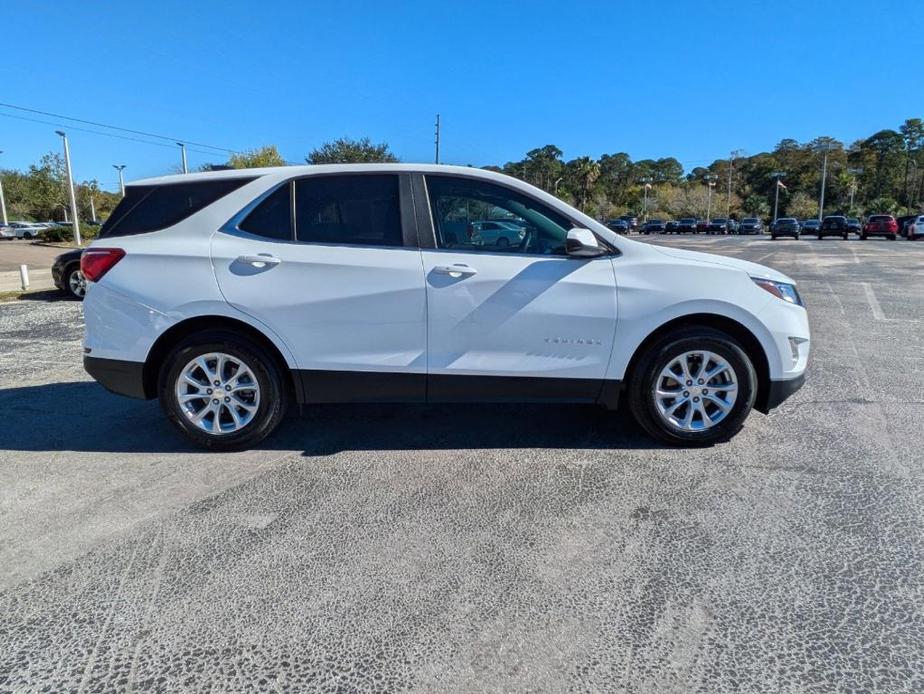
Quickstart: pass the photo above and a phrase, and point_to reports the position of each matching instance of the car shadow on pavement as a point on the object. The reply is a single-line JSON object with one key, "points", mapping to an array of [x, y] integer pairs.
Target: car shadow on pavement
{"points": [[82, 416], [46, 295]]}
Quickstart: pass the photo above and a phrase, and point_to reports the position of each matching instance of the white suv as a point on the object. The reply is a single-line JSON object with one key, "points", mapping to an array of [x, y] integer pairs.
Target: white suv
{"points": [[226, 294]]}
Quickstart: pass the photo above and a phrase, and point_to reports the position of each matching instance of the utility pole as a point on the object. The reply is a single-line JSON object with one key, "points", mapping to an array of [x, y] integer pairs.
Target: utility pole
{"points": [[647, 182], [92, 205], [853, 184], [826, 147], [777, 175], [183, 154], [119, 167], [3, 219], [70, 186], [710, 182], [437, 141], [731, 167]]}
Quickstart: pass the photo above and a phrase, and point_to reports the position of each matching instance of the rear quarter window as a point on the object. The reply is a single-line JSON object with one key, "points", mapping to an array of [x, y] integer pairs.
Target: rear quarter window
{"points": [[152, 208]]}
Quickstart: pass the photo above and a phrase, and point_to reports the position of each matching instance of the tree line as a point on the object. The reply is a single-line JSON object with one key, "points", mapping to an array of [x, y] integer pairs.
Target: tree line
{"points": [[881, 173]]}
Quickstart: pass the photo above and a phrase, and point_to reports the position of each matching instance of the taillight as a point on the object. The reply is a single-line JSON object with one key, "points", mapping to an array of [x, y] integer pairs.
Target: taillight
{"points": [[96, 262]]}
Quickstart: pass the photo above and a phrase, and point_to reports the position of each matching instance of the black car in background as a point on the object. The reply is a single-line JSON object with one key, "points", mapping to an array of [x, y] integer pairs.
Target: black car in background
{"points": [[809, 226], [620, 226], [687, 225], [903, 223], [855, 225], [653, 226], [671, 227], [834, 225], [785, 226], [630, 219], [751, 225], [719, 226], [67, 275]]}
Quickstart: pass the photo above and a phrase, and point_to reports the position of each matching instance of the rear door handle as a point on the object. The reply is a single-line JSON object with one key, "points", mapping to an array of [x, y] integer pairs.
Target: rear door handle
{"points": [[459, 270], [259, 260]]}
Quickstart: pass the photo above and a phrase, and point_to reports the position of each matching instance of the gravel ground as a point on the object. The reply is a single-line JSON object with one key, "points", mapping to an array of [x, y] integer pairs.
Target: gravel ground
{"points": [[485, 548]]}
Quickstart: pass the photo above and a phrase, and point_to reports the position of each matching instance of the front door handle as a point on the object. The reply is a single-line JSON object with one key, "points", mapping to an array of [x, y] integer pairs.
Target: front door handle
{"points": [[259, 260], [459, 270]]}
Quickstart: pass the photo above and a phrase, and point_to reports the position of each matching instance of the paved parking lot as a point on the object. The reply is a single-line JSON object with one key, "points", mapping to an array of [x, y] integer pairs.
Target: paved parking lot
{"points": [[479, 548]]}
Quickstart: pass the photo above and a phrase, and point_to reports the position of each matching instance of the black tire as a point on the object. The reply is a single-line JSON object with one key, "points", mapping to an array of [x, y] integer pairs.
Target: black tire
{"points": [[502, 242], [863, 237], [893, 237], [69, 284], [844, 236], [643, 380], [772, 237], [268, 375]]}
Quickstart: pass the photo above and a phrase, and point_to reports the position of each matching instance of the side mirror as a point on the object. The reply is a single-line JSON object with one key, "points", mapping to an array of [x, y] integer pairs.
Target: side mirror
{"points": [[583, 244]]}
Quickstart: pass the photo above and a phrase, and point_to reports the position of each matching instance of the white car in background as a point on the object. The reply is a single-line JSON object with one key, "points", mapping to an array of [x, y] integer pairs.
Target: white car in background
{"points": [[226, 293], [22, 230], [916, 229]]}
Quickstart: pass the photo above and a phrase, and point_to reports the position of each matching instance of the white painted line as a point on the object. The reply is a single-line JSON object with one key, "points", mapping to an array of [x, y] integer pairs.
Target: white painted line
{"points": [[764, 257], [873, 301]]}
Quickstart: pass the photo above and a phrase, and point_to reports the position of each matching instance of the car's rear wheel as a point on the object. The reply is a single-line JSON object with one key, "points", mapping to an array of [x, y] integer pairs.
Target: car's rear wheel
{"points": [[693, 387], [75, 283], [844, 236], [502, 242], [222, 390]]}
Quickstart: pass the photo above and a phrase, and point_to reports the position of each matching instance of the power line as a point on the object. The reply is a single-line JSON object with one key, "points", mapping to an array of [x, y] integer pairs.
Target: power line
{"points": [[97, 132], [115, 127]]}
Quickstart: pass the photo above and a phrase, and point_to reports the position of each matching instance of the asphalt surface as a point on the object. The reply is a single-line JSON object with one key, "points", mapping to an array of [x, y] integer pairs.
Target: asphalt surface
{"points": [[466, 548]]}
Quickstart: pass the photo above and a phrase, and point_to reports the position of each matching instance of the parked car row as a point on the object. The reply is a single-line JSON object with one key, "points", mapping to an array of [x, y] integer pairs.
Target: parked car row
{"points": [[884, 225]]}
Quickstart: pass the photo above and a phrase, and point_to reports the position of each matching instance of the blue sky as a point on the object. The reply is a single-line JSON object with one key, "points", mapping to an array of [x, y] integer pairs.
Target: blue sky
{"points": [[666, 78]]}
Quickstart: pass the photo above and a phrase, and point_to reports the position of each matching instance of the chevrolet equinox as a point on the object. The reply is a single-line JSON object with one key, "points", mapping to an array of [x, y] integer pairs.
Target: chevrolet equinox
{"points": [[229, 294]]}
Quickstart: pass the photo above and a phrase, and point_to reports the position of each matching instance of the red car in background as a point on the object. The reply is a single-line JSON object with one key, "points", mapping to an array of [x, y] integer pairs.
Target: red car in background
{"points": [[880, 225]]}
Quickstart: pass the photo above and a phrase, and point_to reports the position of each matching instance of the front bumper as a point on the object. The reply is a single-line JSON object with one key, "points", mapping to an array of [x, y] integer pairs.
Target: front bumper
{"points": [[778, 392], [117, 376]]}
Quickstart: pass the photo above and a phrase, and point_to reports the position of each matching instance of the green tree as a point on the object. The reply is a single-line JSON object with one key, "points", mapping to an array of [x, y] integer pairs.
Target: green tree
{"points": [[349, 151], [800, 205], [582, 173], [256, 158]]}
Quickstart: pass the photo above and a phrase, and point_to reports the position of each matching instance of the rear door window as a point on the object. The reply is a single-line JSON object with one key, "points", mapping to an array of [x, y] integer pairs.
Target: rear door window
{"points": [[358, 210], [272, 218], [152, 208]]}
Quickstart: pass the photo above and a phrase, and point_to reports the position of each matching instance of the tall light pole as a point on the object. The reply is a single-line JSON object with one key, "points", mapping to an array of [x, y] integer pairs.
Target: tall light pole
{"points": [[119, 167], [70, 186], [731, 168], [92, 205], [437, 140], [853, 184], [183, 155], [647, 183], [710, 182], [777, 175], [3, 218], [825, 147]]}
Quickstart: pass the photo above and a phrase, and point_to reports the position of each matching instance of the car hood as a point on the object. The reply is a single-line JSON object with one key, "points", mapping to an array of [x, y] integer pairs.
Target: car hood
{"points": [[753, 269]]}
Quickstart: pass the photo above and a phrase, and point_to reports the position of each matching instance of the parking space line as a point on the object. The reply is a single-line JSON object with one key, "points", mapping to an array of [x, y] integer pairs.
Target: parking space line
{"points": [[873, 301]]}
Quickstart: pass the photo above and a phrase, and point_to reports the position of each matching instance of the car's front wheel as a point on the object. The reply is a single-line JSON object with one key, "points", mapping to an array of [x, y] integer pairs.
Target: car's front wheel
{"points": [[75, 283], [222, 390], [694, 387]]}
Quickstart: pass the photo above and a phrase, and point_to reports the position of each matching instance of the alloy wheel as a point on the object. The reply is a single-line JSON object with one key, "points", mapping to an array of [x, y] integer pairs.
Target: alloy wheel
{"points": [[77, 283], [218, 393], [695, 391]]}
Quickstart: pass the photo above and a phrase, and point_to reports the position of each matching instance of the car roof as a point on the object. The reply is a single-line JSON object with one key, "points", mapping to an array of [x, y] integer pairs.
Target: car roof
{"points": [[311, 169]]}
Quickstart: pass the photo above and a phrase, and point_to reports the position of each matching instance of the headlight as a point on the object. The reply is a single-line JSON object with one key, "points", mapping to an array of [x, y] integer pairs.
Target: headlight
{"points": [[781, 290]]}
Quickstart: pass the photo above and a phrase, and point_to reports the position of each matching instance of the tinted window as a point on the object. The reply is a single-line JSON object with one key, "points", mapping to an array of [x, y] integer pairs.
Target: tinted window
{"points": [[880, 218], [272, 218], [459, 205], [151, 208], [359, 210]]}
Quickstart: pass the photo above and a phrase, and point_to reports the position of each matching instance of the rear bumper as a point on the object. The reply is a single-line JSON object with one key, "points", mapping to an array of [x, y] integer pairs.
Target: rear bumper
{"points": [[778, 392], [117, 376]]}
